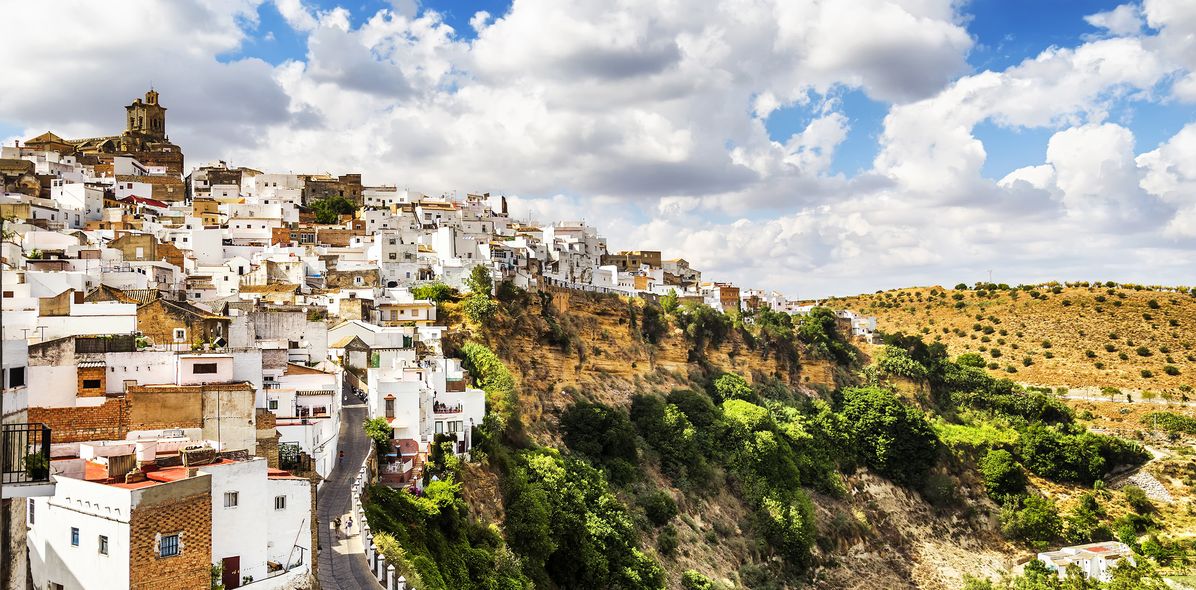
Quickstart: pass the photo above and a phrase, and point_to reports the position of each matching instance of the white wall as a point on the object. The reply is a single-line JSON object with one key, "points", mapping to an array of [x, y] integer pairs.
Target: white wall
{"points": [[95, 509], [289, 527], [53, 387], [147, 367], [188, 376], [238, 531]]}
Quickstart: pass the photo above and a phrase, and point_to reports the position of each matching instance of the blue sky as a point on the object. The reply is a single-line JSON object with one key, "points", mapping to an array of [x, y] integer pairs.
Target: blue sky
{"points": [[640, 117], [1006, 32]]}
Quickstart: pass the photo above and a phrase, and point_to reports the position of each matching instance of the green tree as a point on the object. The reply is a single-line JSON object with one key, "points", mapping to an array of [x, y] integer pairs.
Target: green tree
{"points": [[732, 386], [329, 209], [888, 435], [479, 308], [438, 292], [379, 431], [668, 302], [479, 281], [1002, 475], [1033, 520]]}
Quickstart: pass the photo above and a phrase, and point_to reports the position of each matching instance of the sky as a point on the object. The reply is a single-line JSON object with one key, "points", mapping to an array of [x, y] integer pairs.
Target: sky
{"points": [[807, 146]]}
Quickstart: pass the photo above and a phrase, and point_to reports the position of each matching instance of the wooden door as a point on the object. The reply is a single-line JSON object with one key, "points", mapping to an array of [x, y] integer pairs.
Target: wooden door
{"points": [[232, 572]]}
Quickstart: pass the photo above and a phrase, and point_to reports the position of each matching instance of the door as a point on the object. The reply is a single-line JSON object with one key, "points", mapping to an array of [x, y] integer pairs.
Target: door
{"points": [[231, 578]]}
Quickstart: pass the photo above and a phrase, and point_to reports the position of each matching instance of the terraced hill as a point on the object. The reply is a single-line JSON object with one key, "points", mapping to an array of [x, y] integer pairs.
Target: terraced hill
{"points": [[1074, 335]]}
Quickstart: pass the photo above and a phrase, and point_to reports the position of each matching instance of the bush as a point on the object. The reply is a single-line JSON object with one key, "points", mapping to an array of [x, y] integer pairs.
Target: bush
{"points": [[1147, 373], [1083, 457], [328, 210], [889, 436], [1002, 475], [1034, 520], [602, 434], [970, 359], [658, 506], [1143, 351], [1136, 498], [694, 580], [731, 386], [480, 309], [479, 281], [438, 292], [1171, 370]]}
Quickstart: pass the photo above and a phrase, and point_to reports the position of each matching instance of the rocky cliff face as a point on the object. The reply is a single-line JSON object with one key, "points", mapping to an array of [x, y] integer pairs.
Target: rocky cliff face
{"points": [[878, 536]]}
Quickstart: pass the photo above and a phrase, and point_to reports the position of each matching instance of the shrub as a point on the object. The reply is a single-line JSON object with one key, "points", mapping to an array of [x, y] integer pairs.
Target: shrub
{"points": [[1143, 351], [1153, 304], [1147, 374], [970, 359], [694, 580], [1060, 454], [659, 507], [1033, 520], [1002, 474], [603, 435], [438, 292], [1136, 498], [1090, 354], [1171, 370], [889, 436], [731, 386], [479, 309]]}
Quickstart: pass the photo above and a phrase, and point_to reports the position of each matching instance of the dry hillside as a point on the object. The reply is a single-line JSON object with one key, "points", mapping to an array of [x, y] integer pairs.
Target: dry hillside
{"points": [[1070, 336], [609, 362]]}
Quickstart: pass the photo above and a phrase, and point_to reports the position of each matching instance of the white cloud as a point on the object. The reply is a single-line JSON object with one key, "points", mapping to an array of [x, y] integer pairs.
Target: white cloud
{"points": [[649, 119], [1123, 20]]}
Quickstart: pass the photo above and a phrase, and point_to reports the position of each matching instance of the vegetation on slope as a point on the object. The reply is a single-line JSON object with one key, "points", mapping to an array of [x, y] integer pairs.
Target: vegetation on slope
{"points": [[613, 492], [1074, 334]]}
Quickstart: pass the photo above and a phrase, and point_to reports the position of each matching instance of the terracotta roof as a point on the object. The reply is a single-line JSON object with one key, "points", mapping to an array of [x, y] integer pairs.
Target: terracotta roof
{"points": [[270, 288], [293, 369]]}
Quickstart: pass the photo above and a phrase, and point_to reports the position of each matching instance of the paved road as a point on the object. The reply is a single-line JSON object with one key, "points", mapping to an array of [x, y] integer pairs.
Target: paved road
{"points": [[342, 564]]}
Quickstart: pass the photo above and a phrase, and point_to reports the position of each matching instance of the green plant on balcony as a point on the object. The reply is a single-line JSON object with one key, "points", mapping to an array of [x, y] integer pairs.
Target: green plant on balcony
{"points": [[37, 466]]}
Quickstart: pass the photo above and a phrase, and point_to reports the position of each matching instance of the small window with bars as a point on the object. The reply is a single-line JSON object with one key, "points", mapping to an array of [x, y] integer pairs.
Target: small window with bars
{"points": [[280, 502], [231, 499], [168, 545]]}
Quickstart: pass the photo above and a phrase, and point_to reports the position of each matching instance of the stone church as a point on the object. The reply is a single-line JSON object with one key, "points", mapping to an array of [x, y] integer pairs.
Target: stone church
{"points": [[144, 138]]}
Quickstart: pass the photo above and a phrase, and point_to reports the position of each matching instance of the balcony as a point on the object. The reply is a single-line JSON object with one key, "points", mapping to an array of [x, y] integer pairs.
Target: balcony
{"points": [[440, 408], [25, 460]]}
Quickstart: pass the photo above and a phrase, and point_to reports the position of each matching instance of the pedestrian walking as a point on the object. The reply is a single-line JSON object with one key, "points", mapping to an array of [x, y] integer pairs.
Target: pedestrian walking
{"points": [[349, 525], [340, 458], [336, 526]]}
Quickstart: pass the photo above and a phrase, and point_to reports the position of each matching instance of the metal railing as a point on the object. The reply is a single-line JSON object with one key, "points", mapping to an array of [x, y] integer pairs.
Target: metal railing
{"points": [[25, 453]]}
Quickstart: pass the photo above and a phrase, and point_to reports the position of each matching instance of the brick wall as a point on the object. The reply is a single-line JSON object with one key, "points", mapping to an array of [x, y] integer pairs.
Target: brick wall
{"points": [[184, 507], [152, 408], [106, 422], [92, 374], [267, 437]]}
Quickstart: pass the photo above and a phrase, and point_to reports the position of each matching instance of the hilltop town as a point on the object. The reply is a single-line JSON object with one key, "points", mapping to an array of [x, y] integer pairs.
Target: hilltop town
{"points": [[179, 351], [223, 377]]}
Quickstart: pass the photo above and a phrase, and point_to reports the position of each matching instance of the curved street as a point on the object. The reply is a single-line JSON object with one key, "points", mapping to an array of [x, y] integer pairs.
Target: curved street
{"points": [[342, 563]]}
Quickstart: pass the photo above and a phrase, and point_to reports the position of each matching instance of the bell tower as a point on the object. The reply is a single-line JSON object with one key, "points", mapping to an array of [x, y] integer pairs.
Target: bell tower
{"points": [[147, 118]]}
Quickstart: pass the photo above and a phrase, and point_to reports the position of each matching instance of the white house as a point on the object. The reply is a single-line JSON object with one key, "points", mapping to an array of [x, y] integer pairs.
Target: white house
{"points": [[1095, 560]]}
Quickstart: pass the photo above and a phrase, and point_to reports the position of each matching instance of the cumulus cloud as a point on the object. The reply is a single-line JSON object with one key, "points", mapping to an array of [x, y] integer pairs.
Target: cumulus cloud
{"points": [[651, 122]]}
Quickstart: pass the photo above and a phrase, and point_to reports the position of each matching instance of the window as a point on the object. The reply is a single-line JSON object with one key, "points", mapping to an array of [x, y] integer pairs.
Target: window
{"points": [[180, 334], [280, 502], [168, 545], [230, 499], [203, 368], [16, 376], [91, 384], [31, 504], [74, 537], [390, 408], [454, 426], [103, 545], [440, 428], [273, 404]]}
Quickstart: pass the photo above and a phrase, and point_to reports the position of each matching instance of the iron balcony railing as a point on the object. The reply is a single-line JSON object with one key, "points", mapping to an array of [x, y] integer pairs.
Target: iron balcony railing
{"points": [[25, 453]]}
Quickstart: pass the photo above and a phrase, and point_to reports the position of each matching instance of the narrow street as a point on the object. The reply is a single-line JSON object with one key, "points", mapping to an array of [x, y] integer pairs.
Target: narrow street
{"points": [[342, 563]]}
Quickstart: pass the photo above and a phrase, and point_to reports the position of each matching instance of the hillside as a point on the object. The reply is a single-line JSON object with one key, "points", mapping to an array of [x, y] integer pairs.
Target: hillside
{"points": [[631, 444], [1053, 335]]}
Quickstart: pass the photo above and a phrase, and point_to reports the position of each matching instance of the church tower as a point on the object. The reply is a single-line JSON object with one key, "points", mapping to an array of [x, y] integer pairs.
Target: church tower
{"points": [[148, 118]]}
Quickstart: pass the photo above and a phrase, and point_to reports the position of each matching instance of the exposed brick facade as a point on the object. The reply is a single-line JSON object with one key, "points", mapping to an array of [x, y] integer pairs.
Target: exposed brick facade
{"points": [[96, 377], [105, 422], [183, 507]]}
